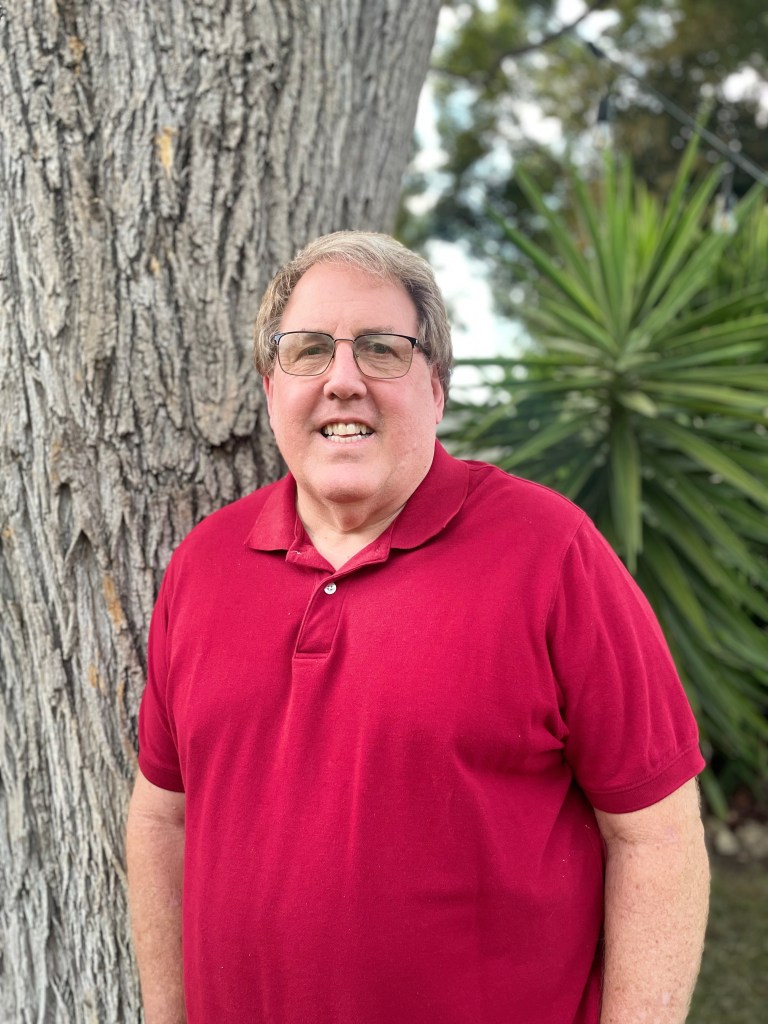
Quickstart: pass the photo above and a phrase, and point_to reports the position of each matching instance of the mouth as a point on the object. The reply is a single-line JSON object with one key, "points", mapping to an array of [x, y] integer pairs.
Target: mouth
{"points": [[343, 433]]}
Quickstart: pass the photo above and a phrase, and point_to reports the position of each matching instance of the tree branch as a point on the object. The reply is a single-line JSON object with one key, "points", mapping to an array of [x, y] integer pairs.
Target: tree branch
{"points": [[596, 5], [558, 33]]}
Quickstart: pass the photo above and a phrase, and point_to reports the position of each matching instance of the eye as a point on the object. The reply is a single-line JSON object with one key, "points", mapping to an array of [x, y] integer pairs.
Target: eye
{"points": [[310, 350], [303, 345], [383, 355], [385, 349], [378, 344]]}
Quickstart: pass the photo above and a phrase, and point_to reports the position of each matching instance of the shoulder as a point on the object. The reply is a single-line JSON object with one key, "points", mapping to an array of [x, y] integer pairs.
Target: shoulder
{"points": [[514, 502], [227, 528]]}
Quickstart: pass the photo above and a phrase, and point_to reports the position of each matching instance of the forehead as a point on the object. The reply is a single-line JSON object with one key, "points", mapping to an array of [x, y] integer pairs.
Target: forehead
{"points": [[332, 294]]}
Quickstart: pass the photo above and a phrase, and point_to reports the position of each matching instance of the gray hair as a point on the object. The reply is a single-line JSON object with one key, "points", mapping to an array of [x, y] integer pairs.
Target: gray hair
{"points": [[376, 254]]}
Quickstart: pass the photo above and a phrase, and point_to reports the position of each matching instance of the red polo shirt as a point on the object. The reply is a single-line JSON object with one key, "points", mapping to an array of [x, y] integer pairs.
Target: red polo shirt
{"points": [[389, 768]]}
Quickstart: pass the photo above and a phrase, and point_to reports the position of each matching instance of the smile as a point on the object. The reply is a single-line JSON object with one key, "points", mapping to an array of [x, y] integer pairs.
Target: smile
{"points": [[343, 432]]}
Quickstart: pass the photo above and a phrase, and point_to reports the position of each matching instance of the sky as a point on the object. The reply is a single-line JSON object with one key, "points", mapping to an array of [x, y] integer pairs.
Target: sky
{"points": [[477, 331]]}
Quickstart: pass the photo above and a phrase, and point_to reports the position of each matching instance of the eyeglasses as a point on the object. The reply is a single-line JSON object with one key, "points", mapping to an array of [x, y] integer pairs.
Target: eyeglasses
{"points": [[309, 353]]}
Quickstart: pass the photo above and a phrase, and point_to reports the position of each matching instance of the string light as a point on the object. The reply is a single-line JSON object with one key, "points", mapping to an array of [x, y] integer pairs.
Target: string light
{"points": [[723, 217], [603, 136]]}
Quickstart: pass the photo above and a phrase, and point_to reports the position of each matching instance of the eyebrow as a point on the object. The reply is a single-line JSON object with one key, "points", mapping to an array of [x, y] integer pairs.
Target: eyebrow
{"points": [[378, 329]]}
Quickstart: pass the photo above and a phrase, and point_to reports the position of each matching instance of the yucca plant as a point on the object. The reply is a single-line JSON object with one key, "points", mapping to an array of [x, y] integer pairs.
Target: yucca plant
{"points": [[644, 398]]}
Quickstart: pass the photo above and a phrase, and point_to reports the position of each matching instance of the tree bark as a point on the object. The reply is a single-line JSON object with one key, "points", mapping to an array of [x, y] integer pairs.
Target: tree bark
{"points": [[158, 160]]}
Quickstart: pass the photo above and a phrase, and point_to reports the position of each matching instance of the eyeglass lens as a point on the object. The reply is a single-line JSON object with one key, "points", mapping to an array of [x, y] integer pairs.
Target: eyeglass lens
{"points": [[305, 353]]}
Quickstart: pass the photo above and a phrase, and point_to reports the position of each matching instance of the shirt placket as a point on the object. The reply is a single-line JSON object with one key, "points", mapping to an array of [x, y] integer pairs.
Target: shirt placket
{"points": [[321, 619]]}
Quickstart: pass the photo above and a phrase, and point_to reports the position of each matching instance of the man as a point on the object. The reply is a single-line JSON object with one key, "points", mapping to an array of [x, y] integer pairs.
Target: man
{"points": [[412, 748]]}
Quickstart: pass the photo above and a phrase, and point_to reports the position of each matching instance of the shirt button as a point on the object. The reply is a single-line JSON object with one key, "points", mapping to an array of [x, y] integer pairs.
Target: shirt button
{"points": [[330, 588]]}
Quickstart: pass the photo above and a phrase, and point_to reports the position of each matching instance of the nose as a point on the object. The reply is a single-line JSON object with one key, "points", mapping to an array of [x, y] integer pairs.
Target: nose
{"points": [[343, 376]]}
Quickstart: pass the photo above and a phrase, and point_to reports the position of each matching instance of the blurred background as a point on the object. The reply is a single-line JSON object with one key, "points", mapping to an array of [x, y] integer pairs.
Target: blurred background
{"points": [[588, 180]]}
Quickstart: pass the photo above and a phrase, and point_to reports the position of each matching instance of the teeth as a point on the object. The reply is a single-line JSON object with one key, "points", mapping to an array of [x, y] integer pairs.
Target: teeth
{"points": [[345, 429]]}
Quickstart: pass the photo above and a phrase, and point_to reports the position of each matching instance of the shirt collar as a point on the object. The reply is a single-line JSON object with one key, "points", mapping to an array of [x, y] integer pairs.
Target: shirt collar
{"points": [[434, 503], [430, 508]]}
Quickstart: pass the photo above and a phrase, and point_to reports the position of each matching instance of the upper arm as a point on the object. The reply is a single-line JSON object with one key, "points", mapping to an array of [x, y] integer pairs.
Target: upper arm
{"points": [[676, 817], [151, 804]]}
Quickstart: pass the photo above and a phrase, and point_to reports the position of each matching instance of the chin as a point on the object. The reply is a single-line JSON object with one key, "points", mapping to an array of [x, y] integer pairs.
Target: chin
{"points": [[345, 488], [344, 495]]}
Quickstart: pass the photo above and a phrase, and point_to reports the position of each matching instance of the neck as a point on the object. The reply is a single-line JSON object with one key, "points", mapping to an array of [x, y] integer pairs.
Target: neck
{"points": [[340, 533]]}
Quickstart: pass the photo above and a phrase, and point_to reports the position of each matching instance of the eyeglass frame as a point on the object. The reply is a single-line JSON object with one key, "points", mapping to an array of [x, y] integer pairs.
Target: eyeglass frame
{"points": [[415, 343]]}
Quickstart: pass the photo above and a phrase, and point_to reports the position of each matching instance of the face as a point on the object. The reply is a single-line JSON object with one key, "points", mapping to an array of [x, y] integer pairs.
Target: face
{"points": [[386, 448]]}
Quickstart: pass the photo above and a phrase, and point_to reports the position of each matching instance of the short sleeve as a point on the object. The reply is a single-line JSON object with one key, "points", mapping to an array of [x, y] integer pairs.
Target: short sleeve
{"points": [[158, 753], [631, 735]]}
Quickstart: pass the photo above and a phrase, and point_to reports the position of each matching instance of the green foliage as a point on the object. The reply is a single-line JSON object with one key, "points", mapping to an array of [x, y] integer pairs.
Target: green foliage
{"points": [[645, 399], [505, 67]]}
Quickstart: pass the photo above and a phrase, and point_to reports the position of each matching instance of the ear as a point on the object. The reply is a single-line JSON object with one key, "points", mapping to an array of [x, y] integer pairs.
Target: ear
{"points": [[437, 394], [268, 384]]}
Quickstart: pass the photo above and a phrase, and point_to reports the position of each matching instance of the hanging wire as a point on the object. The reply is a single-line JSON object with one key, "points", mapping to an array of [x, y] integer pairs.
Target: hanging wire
{"points": [[680, 115]]}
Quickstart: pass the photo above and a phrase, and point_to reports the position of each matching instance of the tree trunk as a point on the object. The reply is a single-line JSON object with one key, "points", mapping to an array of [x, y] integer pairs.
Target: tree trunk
{"points": [[158, 160]]}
